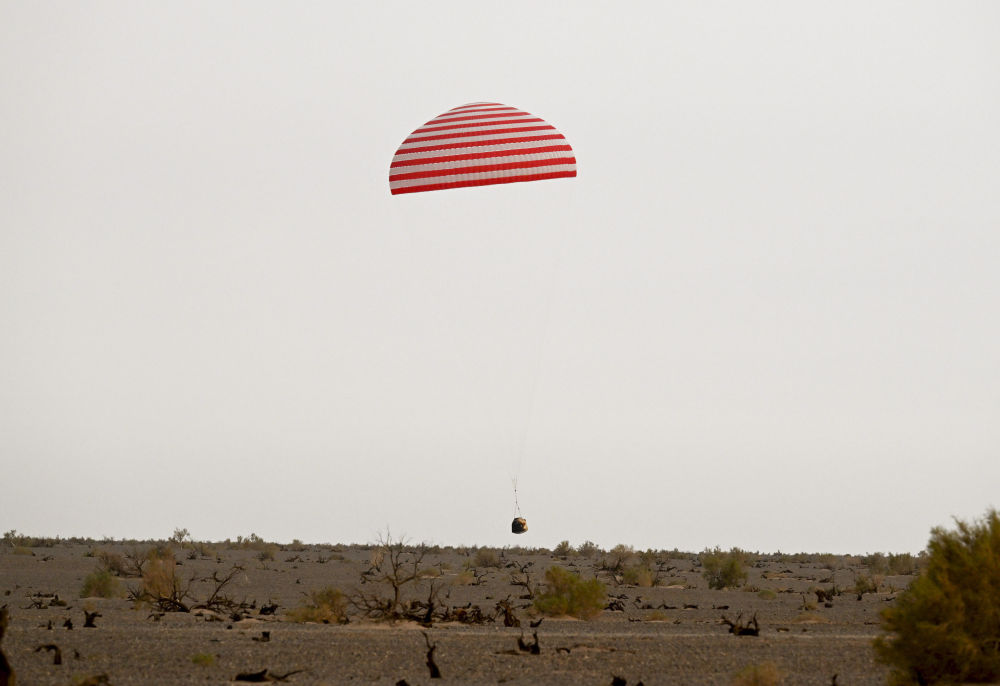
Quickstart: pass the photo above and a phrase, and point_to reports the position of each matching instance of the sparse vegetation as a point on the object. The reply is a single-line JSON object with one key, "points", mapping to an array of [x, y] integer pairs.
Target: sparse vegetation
{"points": [[724, 570], [324, 606], [944, 628], [486, 557], [203, 659], [762, 674], [101, 583], [567, 593], [902, 564]]}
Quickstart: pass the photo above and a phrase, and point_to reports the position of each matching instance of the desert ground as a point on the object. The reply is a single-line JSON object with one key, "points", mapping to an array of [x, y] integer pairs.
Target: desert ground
{"points": [[238, 600]]}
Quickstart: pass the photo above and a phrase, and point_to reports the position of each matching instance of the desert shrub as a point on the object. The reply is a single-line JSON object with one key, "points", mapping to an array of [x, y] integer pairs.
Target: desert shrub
{"points": [[486, 557], [112, 562], [101, 583], [943, 628], [588, 549], [567, 593], [724, 570], [564, 549], [22, 550], [203, 549], [325, 606], [877, 563], [767, 594], [902, 564], [641, 574], [866, 584], [203, 659], [464, 578], [763, 674]]}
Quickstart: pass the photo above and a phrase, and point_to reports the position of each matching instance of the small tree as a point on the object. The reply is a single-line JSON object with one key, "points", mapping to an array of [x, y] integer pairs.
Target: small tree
{"points": [[395, 564], [944, 627]]}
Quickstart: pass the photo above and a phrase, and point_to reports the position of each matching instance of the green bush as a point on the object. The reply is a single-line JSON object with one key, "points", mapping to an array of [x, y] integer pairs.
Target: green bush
{"points": [[567, 593], [944, 627], [724, 570], [101, 583]]}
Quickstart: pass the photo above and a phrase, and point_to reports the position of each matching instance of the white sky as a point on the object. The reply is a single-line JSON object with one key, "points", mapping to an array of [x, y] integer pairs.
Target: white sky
{"points": [[766, 313]]}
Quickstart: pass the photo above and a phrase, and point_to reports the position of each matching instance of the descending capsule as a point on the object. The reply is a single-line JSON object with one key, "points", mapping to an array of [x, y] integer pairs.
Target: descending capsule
{"points": [[480, 144]]}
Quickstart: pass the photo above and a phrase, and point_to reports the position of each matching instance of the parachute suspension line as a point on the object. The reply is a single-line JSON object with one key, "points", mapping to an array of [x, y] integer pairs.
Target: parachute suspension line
{"points": [[517, 508], [540, 345]]}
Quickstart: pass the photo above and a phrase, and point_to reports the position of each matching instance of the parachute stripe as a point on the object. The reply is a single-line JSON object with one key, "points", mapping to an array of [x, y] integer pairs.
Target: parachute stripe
{"points": [[501, 173], [474, 124], [486, 181], [477, 104], [514, 128], [480, 144], [465, 134], [479, 155], [438, 170], [472, 143], [496, 115]]}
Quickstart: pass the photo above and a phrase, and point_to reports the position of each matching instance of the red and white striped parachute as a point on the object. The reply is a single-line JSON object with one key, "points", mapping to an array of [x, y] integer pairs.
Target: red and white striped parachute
{"points": [[479, 144]]}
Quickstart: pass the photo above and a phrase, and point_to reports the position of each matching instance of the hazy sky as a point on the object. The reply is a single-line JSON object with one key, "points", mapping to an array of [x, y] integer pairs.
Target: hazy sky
{"points": [[765, 314]]}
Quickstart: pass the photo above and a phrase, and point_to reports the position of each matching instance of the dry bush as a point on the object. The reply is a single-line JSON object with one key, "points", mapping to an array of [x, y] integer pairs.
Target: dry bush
{"points": [[866, 584], [564, 549], [465, 578], [567, 593], [159, 575], [944, 627], [588, 549], [112, 562], [325, 606], [486, 557]]}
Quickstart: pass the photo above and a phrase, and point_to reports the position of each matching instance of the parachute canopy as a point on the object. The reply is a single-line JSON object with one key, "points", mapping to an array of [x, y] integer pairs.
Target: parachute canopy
{"points": [[479, 144]]}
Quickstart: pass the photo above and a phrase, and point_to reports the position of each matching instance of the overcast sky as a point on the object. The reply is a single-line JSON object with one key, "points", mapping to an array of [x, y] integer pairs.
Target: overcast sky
{"points": [[766, 313]]}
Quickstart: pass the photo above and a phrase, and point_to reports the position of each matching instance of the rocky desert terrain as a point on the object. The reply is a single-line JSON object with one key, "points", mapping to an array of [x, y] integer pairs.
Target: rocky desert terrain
{"points": [[238, 612]]}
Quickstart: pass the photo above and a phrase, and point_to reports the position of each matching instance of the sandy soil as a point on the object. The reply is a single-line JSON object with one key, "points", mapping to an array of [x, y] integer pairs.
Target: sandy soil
{"points": [[668, 634]]}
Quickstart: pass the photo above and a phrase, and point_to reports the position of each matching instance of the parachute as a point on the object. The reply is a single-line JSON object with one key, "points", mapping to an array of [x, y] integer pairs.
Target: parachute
{"points": [[480, 144]]}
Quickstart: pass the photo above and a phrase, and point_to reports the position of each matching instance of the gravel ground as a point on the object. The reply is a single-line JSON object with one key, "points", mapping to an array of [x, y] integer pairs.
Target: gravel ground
{"points": [[669, 634]]}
